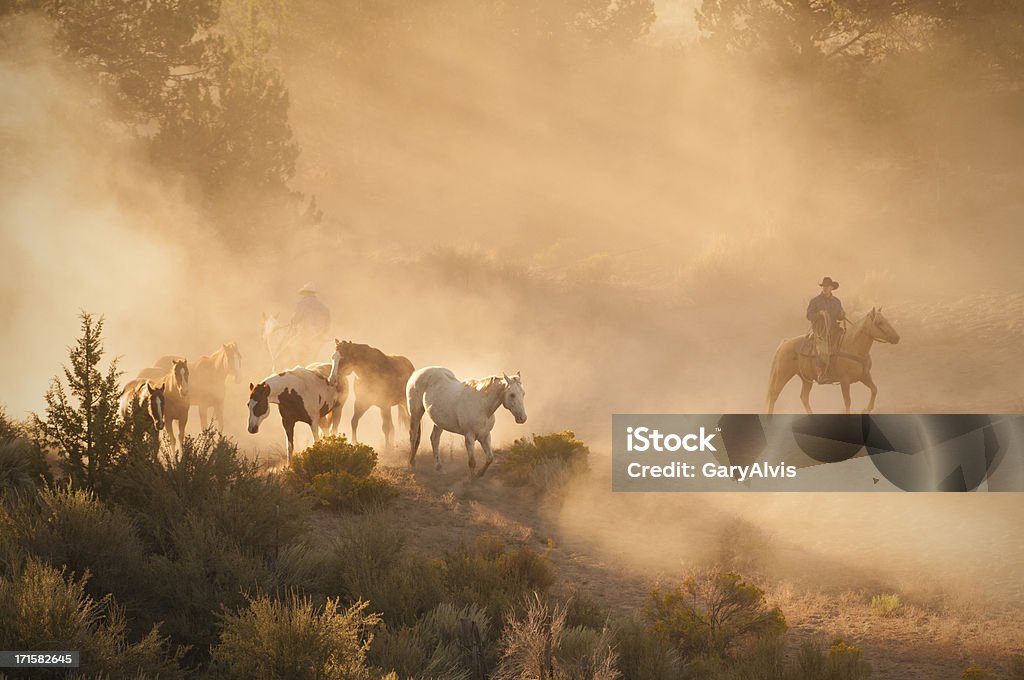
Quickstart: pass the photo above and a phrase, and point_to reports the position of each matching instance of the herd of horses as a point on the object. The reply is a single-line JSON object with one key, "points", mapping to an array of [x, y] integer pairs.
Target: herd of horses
{"points": [[316, 393]]}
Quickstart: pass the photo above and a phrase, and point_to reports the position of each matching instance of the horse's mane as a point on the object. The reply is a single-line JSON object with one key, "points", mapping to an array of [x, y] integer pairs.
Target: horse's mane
{"points": [[486, 384], [364, 350], [857, 327]]}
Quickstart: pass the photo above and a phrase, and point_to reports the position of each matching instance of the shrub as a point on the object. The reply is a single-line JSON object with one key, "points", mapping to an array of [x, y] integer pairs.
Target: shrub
{"points": [[743, 547], [845, 662], [292, 639], [41, 609], [494, 576], [977, 672], [72, 528], [538, 645], [208, 479], [23, 467], [710, 612], [1016, 670], [336, 474], [645, 654], [202, 571], [886, 604], [546, 461], [447, 642], [367, 562], [9, 428]]}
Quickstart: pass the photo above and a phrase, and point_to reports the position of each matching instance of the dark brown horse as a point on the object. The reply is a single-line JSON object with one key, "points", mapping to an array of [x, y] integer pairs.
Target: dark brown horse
{"points": [[380, 381]]}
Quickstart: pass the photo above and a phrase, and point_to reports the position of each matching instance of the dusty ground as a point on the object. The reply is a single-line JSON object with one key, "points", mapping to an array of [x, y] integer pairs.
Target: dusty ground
{"points": [[614, 548]]}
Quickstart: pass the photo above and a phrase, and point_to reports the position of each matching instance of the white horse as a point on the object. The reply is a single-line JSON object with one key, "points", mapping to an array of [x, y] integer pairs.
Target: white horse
{"points": [[302, 395], [277, 337], [465, 408]]}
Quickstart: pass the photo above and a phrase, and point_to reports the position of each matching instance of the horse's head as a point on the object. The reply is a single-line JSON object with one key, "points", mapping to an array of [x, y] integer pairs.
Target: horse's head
{"points": [[338, 360], [259, 405], [180, 369], [156, 405], [882, 330], [513, 397], [234, 358]]}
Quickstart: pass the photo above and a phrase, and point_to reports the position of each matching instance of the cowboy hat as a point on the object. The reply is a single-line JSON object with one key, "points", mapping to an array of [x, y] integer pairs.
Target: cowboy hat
{"points": [[308, 289], [827, 281]]}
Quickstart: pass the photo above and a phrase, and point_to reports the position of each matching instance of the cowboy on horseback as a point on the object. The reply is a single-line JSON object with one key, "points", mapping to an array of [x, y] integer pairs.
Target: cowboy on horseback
{"points": [[310, 323], [825, 311]]}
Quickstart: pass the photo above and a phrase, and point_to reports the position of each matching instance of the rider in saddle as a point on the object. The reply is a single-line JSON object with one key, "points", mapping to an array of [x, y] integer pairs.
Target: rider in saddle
{"points": [[310, 323], [825, 311]]}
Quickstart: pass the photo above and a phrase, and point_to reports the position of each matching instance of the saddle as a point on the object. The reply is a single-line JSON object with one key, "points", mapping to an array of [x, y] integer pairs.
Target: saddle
{"points": [[809, 348]]}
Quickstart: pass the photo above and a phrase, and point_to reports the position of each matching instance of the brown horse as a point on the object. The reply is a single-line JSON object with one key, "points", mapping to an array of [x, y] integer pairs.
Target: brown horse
{"points": [[207, 380], [380, 381], [852, 363], [176, 400]]}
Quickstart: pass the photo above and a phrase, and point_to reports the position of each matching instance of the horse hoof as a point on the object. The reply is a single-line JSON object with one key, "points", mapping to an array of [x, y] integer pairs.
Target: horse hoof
{"points": [[438, 467]]}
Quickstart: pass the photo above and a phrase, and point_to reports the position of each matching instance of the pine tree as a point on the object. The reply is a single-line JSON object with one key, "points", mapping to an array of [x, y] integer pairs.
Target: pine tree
{"points": [[86, 433]]}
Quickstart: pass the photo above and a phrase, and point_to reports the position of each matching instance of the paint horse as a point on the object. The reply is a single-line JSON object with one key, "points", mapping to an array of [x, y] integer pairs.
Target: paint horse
{"points": [[380, 381], [302, 396], [176, 399], [142, 394], [207, 378], [463, 407]]}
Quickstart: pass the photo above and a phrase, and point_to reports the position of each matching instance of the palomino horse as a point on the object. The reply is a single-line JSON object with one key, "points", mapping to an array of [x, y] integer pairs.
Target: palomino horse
{"points": [[176, 401], [380, 381], [301, 395], [142, 394], [465, 408], [207, 376], [852, 363]]}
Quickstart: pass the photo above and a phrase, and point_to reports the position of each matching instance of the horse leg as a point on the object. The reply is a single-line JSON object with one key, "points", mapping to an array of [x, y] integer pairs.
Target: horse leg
{"points": [[774, 390], [470, 442], [181, 428], [218, 413], [403, 415], [874, 391], [314, 426], [357, 412], [169, 428], [289, 433], [485, 442], [336, 420], [203, 419], [435, 445], [387, 426], [805, 394], [845, 387]]}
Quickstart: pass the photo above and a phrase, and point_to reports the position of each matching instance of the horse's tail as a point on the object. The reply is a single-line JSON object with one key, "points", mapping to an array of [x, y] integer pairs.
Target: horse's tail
{"points": [[415, 409], [773, 377]]}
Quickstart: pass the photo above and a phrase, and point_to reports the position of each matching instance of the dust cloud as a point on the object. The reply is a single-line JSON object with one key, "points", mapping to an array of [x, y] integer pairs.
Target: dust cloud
{"points": [[635, 228]]}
